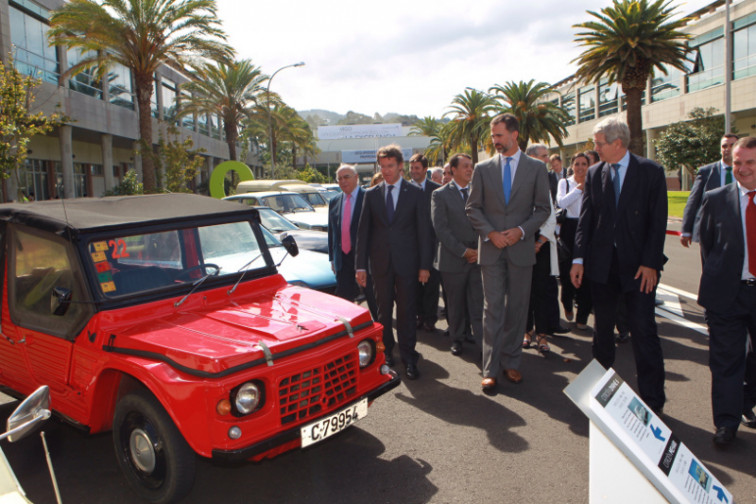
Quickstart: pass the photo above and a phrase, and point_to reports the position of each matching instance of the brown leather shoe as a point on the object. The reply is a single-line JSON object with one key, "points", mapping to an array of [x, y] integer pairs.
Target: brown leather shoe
{"points": [[513, 375], [488, 383]]}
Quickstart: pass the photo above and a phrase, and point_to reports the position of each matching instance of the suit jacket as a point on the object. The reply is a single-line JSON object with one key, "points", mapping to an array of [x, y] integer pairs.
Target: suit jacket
{"points": [[528, 207], [453, 229], [637, 226], [708, 177], [722, 248], [334, 225], [554, 183], [430, 188], [404, 244]]}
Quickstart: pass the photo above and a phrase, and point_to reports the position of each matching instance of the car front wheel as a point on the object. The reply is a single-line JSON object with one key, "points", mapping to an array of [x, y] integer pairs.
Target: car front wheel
{"points": [[150, 450]]}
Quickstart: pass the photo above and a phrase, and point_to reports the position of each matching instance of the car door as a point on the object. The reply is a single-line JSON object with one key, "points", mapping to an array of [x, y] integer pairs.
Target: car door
{"points": [[38, 263]]}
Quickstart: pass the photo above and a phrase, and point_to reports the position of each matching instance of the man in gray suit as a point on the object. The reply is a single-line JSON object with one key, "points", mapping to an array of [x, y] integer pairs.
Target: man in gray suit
{"points": [[708, 177], [457, 253], [509, 200]]}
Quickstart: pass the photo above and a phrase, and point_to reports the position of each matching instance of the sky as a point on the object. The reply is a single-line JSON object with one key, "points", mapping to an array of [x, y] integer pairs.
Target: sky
{"points": [[408, 56]]}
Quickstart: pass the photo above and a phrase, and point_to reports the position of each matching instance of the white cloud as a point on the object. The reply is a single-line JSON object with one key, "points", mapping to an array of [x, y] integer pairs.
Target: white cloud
{"points": [[411, 56]]}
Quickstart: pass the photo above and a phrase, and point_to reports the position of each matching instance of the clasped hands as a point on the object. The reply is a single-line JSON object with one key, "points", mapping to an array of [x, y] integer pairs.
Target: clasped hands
{"points": [[507, 238]]}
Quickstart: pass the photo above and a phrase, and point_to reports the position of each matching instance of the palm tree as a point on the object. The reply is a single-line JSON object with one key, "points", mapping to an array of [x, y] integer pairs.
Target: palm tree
{"points": [[141, 35], [434, 129], [539, 119], [630, 39], [470, 121], [427, 126], [229, 90], [290, 127]]}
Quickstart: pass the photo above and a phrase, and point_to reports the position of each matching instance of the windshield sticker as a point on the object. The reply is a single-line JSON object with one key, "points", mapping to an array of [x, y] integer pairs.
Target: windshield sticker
{"points": [[119, 248], [99, 257], [103, 266], [100, 246], [108, 287]]}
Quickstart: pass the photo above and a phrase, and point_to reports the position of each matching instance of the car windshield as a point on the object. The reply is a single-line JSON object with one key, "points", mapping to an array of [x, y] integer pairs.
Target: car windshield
{"points": [[274, 221], [287, 203], [139, 263], [329, 195], [316, 199]]}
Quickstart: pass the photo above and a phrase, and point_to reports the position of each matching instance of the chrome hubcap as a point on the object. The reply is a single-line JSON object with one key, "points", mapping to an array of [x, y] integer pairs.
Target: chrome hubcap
{"points": [[142, 451]]}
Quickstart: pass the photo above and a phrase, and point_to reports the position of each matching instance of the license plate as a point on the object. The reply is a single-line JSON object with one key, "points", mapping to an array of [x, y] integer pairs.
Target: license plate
{"points": [[333, 424]]}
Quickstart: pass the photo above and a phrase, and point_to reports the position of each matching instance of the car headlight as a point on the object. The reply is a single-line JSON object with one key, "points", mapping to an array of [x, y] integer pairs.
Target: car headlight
{"points": [[246, 398], [366, 351]]}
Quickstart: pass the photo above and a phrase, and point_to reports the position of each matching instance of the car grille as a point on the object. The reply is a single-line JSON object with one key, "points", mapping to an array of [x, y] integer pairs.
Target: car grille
{"points": [[304, 395]]}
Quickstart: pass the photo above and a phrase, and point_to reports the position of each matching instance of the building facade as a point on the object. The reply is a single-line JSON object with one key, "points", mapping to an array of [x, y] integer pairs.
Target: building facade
{"points": [[91, 153], [670, 98]]}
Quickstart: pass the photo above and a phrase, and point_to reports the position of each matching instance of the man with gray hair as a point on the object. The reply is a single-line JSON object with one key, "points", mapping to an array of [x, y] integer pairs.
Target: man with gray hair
{"points": [[619, 249], [437, 175]]}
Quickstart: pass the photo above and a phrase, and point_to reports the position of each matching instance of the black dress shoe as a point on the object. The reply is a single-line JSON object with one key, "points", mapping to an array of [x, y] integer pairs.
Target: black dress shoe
{"points": [[560, 330], [456, 348], [412, 372], [389, 360], [749, 419], [724, 436], [622, 337]]}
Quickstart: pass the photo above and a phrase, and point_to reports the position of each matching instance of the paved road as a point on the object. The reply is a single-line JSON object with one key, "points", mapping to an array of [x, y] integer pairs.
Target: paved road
{"points": [[439, 439]]}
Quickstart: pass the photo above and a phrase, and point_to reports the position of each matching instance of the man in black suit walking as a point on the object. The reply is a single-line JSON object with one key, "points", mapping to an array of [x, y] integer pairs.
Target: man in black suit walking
{"points": [[427, 293], [708, 177], [728, 293], [393, 235], [343, 217], [619, 246]]}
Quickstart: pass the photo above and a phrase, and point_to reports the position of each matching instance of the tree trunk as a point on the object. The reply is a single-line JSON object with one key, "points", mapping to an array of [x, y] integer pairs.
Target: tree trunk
{"points": [[294, 155], [634, 119], [143, 95], [474, 149], [231, 137]]}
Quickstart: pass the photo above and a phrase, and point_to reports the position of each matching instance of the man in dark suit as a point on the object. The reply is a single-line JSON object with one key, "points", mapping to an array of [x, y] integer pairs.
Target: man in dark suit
{"points": [[428, 292], [708, 177], [344, 213], [393, 235], [619, 246], [457, 254], [556, 173], [728, 293], [509, 200]]}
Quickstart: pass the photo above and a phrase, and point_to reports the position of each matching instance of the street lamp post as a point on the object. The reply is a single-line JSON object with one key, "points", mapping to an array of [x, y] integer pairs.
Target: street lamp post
{"points": [[270, 118]]}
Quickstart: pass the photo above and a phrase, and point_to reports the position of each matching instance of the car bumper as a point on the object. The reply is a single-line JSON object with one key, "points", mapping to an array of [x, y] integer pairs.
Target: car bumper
{"points": [[293, 434]]}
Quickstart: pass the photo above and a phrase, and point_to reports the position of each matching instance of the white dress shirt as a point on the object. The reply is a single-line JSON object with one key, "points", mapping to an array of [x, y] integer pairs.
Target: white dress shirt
{"points": [[570, 198]]}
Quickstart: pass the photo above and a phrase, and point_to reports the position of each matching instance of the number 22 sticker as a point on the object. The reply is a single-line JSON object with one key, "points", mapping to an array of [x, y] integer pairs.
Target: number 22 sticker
{"points": [[119, 248]]}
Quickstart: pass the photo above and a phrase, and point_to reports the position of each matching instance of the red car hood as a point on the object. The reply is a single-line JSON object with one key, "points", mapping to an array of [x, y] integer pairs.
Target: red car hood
{"points": [[214, 337]]}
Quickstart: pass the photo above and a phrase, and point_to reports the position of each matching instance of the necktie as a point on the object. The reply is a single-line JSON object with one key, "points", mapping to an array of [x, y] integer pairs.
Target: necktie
{"points": [[346, 224], [728, 174], [507, 180], [616, 181], [751, 232], [389, 204], [464, 194]]}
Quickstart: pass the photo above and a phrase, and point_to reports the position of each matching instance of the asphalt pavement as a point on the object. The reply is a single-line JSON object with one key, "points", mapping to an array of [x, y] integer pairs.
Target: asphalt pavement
{"points": [[439, 439]]}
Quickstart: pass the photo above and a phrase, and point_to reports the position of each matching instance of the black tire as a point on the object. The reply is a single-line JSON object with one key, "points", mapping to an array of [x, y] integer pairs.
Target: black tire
{"points": [[162, 469]]}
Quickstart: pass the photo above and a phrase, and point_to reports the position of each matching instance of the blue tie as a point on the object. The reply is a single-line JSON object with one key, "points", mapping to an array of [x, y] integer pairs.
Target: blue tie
{"points": [[616, 181], [389, 204], [507, 180]]}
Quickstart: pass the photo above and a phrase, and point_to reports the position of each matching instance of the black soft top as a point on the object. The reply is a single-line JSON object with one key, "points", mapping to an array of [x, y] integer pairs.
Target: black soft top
{"points": [[83, 215]]}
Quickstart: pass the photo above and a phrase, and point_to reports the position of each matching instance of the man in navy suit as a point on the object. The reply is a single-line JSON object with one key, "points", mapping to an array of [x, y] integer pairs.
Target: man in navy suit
{"points": [[619, 247], [427, 295], [393, 234], [728, 293], [344, 214], [708, 177]]}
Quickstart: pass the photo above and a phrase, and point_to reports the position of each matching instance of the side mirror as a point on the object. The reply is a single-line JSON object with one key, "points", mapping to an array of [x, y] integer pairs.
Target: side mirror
{"points": [[60, 300], [24, 419], [290, 244]]}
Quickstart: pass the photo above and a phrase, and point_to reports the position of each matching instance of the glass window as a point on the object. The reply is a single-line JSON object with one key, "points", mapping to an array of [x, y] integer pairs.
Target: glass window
{"points": [[33, 55], [119, 82], [169, 100], [80, 180], [40, 264], [36, 179], [607, 98], [568, 104], [744, 52], [708, 69], [154, 99], [202, 125], [83, 82], [214, 126], [141, 263], [624, 98], [587, 103], [187, 121], [666, 86]]}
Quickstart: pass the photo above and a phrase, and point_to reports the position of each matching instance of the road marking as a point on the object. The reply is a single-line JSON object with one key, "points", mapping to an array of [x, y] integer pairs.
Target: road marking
{"points": [[671, 302], [677, 291], [681, 321]]}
